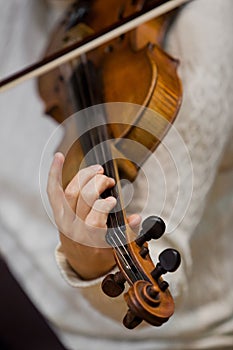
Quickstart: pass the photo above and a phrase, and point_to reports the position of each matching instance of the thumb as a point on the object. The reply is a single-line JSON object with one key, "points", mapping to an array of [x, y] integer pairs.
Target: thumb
{"points": [[134, 221]]}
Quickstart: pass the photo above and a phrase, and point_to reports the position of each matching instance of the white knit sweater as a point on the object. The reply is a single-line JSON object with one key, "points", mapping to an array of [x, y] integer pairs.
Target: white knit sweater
{"points": [[194, 197]]}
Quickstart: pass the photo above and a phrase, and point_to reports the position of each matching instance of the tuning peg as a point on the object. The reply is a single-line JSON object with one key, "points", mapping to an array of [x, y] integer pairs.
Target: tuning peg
{"points": [[113, 284], [130, 320], [152, 228], [169, 261]]}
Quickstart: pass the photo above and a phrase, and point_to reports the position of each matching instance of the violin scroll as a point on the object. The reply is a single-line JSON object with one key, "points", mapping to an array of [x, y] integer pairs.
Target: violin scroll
{"points": [[146, 302], [148, 297]]}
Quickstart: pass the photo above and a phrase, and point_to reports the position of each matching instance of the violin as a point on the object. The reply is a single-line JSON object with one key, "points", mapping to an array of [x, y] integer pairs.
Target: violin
{"points": [[129, 68]]}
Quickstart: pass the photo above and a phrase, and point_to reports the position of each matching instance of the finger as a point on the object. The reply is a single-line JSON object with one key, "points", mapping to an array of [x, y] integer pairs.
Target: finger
{"points": [[63, 215], [54, 185], [97, 217], [91, 192], [79, 181], [134, 221]]}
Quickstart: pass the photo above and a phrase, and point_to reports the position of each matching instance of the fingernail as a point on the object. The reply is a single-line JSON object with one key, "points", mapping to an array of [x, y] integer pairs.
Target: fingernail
{"points": [[58, 156], [97, 167], [111, 199], [135, 220]]}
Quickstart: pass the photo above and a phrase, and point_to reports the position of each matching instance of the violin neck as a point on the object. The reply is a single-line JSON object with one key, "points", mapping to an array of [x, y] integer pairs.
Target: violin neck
{"points": [[95, 139], [85, 85]]}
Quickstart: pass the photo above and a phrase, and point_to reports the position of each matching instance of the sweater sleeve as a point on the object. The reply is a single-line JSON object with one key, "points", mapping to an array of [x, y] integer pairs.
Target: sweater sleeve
{"points": [[71, 276]]}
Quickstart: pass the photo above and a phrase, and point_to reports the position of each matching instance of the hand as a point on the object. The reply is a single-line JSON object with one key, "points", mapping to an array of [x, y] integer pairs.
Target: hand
{"points": [[81, 218]]}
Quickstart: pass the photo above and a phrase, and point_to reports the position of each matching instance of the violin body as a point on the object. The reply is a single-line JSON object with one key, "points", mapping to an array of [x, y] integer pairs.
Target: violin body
{"points": [[133, 69], [151, 76]]}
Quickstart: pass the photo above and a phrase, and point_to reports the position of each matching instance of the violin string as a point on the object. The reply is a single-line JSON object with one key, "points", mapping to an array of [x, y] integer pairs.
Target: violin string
{"points": [[119, 245], [104, 154], [103, 151], [118, 248]]}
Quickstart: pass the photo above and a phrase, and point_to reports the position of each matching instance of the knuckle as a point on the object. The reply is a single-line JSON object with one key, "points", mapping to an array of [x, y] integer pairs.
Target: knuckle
{"points": [[101, 178], [93, 222], [101, 206], [70, 193], [87, 193], [102, 182], [85, 172]]}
